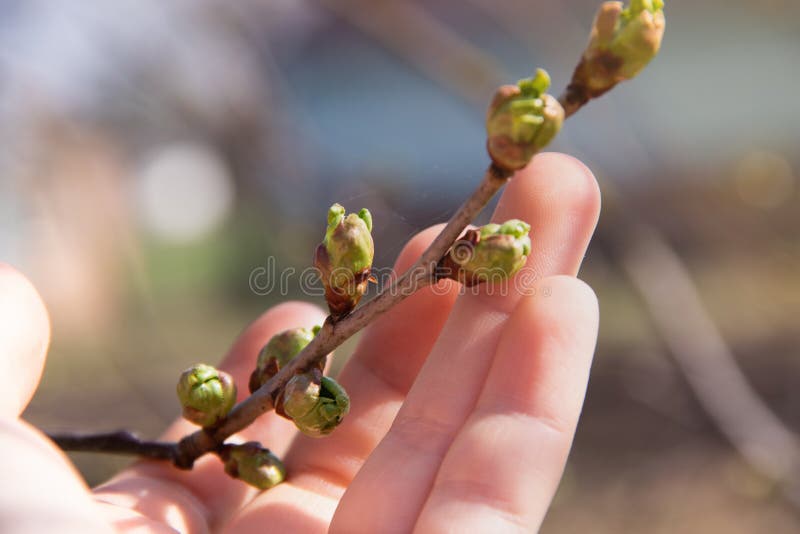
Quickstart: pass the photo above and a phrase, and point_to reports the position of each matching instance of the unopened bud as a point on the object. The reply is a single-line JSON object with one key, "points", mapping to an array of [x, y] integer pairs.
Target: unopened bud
{"points": [[493, 252], [206, 394], [252, 463], [278, 351], [316, 403], [344, 259], [522, 119], [622, 43]]}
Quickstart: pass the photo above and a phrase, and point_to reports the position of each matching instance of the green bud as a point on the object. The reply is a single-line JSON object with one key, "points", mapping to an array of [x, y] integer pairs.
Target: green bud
{"points": [[206, 394], [622, 43], [278, 351], [490, 253], [285, 346], [252, 463], [344, 258], [522, 119], [316, 403]]}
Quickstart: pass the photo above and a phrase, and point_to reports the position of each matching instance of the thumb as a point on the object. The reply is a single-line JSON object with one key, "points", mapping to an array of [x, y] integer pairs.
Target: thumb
{"points": [[24, 337]]}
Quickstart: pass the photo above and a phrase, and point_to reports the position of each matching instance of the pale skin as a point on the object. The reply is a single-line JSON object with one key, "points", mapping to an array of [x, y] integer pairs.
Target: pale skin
{"points": [[463, 407]]}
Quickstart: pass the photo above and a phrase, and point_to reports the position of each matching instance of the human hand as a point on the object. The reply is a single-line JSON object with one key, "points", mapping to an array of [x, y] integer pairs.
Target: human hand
{"points": [[463, 409]]}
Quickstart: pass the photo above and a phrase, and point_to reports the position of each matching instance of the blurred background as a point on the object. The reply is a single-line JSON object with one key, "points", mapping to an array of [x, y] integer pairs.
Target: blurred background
{"points": [[154, 154]]}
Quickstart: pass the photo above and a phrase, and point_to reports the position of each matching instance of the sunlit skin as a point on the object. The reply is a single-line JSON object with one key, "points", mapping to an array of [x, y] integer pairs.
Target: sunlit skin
{"points": [[463, 409]]}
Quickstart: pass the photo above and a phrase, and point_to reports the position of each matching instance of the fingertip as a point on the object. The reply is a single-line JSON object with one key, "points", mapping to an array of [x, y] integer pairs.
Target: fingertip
{"points": [[564, 308], [557, 325], [24, 338], [565, 177], [552, 183], [41, 489], [579, 186], [563, 299], [18, 291], [584, 296]]}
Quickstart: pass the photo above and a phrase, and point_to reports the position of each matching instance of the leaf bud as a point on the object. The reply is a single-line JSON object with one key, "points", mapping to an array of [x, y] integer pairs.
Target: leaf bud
{"points": [[623, 41], [278, 351], [206, 394], [344, 259], [522, 119], [252, 463], [491, 253], [316, 403]]}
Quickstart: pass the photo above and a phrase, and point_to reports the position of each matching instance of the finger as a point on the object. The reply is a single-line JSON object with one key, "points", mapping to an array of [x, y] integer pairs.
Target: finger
{"points": [[559, 197], [40, 490], [206, 494], [24, 337], [504, 465], [376, 377]]}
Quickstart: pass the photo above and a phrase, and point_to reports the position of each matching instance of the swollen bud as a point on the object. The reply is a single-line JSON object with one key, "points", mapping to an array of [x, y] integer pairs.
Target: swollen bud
{"points": [[316, 403], [493, 253], [521, 120], [206, 394], [622, 43], [344, 259], [278, 351], [252, 463]]}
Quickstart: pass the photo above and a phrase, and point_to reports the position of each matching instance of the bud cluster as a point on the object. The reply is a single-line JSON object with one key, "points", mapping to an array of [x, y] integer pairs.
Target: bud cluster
{"points": [[493, 252], [315, 403]]}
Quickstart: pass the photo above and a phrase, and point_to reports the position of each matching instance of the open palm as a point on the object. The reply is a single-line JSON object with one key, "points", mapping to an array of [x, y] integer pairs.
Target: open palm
{"points": [[463, 407]]}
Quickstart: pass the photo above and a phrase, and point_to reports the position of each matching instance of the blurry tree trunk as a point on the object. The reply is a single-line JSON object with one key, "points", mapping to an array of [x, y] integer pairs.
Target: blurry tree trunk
{"points": [[706, 361]]}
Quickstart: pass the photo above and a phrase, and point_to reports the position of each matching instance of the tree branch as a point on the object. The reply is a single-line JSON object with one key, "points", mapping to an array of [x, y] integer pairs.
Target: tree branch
{"points": [[121, 442], [421, 274]]}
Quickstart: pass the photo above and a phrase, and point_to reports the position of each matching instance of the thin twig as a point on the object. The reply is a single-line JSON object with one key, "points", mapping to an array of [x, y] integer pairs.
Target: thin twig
{"points": [[121, 442]]}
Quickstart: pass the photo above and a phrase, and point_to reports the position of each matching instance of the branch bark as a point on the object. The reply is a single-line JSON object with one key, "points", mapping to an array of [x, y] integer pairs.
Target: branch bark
{"points": [[121, 442]]}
